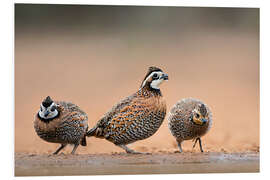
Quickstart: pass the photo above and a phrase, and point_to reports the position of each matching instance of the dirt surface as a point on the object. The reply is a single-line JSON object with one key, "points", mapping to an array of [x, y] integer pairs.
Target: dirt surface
{"points": [[121, 163]]}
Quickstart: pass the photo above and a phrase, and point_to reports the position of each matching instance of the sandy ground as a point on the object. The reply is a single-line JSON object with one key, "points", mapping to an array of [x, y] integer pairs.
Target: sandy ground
{"points": [[121, 163]]}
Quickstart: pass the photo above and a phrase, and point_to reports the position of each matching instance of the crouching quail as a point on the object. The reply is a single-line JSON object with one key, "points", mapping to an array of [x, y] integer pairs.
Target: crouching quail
{"points": [[136, 117], [189, 119], [61, 122]]}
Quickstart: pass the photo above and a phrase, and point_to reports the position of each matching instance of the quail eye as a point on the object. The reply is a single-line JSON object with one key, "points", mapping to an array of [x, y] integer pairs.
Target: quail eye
{"points": [[155, 76], [53, 108], [197, 116]]}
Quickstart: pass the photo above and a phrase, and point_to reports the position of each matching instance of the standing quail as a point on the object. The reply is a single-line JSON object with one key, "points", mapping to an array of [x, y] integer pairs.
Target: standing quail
{"points": [[189, 119], [61, 122], [136, 117]]}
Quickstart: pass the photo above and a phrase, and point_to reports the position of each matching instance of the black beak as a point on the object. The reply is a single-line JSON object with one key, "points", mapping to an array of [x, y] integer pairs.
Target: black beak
{"points": [[204, 121], [165, 76], [46, 113]]}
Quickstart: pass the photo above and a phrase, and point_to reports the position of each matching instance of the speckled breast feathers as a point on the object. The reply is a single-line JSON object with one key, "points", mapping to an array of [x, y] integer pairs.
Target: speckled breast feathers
{"points": [[69, 127], [136, 117]]}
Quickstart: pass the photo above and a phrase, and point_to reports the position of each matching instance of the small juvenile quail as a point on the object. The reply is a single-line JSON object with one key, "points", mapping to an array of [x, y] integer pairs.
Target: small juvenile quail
{"points": [[189, 119], [136, 117], [61, 122]]}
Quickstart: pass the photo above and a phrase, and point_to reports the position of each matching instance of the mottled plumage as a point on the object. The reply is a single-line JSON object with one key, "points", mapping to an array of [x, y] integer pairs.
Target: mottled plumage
{"points": [[136, 117], [69, 126], [189, 119]]}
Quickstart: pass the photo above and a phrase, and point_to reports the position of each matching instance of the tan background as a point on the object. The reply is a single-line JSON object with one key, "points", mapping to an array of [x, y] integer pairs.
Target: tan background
{"points": [[95, 56]]}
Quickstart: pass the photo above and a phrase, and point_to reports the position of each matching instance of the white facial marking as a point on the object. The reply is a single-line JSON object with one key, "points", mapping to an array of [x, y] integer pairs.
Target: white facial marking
{"points": [[44, 110], [155, 83]]}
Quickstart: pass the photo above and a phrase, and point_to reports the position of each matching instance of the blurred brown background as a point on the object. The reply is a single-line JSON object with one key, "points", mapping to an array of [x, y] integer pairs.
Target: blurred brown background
{"points": [[94, 56]]}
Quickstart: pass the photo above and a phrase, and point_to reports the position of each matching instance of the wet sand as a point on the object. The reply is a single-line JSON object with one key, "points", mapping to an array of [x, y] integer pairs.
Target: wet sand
{"points": [[120, 163]]}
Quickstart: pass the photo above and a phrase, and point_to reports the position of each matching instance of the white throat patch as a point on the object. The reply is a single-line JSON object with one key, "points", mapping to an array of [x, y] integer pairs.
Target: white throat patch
{"points": [[155, 84]]}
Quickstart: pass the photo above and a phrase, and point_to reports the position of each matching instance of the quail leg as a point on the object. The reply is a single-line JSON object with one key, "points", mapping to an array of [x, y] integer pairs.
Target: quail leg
{"points": [[74, 148], [59, 149], [179, 143], [130, 151], [195, 142], [200, 143]]}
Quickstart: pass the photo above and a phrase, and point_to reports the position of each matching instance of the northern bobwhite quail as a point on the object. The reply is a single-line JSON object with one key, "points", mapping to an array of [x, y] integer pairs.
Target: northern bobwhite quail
{"points": [[136, 117], [61, 122], [189, 119]]}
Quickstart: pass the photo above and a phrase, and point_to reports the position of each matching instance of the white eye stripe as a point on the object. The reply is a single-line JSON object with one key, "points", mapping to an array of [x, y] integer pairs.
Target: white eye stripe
{"points": [[53, 104], [43, 108], [150, 75]]}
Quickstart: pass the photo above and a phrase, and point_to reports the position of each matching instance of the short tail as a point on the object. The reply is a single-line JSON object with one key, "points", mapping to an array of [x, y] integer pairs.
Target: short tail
{"points": [[91, 132], [95, 131], [83, 141]]}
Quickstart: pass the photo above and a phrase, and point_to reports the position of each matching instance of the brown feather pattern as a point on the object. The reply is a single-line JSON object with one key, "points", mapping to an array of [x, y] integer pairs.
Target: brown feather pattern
{"points": [[68, 128]]}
